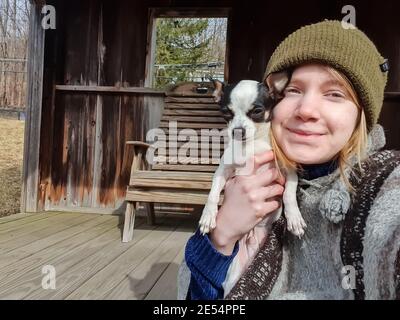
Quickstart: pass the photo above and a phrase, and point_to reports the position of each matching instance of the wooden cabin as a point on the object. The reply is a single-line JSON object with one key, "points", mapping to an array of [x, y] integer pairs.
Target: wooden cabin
{"points": [[89, 84]]}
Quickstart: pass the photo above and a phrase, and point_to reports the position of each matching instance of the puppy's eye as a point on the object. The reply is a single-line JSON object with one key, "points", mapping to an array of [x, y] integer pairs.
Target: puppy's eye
{"points": [[257, 111]]}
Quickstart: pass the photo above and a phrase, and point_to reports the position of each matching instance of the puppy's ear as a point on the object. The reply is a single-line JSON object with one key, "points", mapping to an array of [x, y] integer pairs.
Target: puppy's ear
{"points": [[276, 83], [218, 90]]}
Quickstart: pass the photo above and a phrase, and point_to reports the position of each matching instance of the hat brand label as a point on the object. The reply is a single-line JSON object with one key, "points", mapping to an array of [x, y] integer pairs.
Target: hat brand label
{"points": [[385, 66]]}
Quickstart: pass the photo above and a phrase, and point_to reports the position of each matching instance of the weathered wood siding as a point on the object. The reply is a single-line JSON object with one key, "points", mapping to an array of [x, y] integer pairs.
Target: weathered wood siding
{"points": [[96, 44], [83, 160]]}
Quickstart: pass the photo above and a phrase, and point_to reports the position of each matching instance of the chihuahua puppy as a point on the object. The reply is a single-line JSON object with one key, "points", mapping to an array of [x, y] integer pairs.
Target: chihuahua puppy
{"points": [[247, 107]]}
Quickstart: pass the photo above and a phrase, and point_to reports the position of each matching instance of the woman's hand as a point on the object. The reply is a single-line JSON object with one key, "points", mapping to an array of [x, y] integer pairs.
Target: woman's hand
{"points": [[248, 199]]}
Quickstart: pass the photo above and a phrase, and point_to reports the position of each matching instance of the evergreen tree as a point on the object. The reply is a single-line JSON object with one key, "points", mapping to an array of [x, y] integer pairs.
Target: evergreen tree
{"points": [[180, 41]]}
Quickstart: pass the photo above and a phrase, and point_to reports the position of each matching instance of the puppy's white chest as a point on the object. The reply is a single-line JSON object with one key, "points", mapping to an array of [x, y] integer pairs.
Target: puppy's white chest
{"points": [[237, 153]]}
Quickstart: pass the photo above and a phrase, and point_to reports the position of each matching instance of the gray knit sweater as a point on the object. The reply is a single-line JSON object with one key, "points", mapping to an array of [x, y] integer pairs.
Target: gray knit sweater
{"points": [[312, 267]]}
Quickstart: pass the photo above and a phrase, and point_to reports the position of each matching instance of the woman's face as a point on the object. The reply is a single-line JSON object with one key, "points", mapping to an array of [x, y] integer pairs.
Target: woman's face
{"points": [[316, 117]]}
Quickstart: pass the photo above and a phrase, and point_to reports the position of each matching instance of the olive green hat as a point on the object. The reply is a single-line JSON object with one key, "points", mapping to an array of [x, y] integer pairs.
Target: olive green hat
{"points": [[348, 50]]}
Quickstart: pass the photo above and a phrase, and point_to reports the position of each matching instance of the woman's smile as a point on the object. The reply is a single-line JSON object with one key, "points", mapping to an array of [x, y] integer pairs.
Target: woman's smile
{"points": [[304, 133]]}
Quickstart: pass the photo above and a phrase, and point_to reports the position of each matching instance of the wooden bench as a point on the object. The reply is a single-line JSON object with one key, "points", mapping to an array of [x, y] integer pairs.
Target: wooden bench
{"points": [[189, 180]]}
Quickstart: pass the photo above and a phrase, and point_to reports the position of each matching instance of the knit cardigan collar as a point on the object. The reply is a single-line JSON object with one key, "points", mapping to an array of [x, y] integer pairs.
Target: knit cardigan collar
{"points": [[313, 171]]}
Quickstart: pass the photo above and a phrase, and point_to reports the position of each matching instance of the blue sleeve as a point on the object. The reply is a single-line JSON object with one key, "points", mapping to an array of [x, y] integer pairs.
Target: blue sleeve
{"points": [[208, 267]]}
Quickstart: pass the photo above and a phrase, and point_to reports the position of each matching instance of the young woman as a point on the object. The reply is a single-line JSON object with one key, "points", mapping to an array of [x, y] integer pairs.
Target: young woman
{"points": [[325, 124]]}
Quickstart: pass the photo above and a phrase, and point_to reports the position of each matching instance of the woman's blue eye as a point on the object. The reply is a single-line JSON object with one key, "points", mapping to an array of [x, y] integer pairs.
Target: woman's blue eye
{"points": [[291, 90], [336, 94]]}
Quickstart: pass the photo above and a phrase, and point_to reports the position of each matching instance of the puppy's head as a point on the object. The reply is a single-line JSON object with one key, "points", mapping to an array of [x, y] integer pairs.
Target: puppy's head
{"points": [[247, 105]]}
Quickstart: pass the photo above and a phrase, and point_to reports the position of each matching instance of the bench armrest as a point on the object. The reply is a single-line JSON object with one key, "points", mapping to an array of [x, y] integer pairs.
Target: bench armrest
{"points": [[139, 151], [138, 143]]}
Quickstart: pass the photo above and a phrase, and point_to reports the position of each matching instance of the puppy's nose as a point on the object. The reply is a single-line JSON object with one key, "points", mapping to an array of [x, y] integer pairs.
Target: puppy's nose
{"points": [[239, 133]]}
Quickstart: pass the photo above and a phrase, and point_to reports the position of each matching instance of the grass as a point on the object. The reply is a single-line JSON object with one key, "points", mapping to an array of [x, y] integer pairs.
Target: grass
{"points": [[11, 153]]}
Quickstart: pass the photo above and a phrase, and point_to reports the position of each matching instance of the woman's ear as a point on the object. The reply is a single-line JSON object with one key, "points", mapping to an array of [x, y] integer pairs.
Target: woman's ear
{"points": [[218, 90], [276, 83]]}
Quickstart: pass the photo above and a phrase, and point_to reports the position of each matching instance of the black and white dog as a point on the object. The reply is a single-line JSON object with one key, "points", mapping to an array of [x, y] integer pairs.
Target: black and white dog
{"points": [[246, 107]]}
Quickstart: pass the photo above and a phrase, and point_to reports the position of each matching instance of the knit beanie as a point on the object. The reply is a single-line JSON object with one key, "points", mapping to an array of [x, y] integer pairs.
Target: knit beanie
{"points": [[348, 50]]}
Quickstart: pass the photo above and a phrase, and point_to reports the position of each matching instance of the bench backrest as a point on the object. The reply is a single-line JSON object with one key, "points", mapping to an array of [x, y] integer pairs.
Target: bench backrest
{"points": [[194, 136]]}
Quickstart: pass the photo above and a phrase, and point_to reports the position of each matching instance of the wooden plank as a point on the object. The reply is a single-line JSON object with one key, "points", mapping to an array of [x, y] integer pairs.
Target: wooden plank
{"points": [[52, 110], [198, 132], [31, 261], [16, 216], [207, 145], [183, 159], [169, 195], [74, 271], [21, 218], [34, 247], [47, 230], [194, 119], [34, 258], [185, 112], [153, 107], [188, 94], [25, 223], [80, 135], [187, 154], [89, 210], [185, 167], [166, 286], [97, 152], [191, 125], [150, 48], [188, 106], [34, 230], [168, 183], [118, 270], [204, 136], [213, 152], [144, 273], [194, 176], [197, 12], [27, 282], [189, 100], [108, 89], [30, 172], [392, 95]]}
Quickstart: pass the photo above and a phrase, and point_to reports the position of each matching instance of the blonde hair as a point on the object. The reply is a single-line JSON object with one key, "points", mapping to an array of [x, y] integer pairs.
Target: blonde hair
{"points": [[356, 146]]}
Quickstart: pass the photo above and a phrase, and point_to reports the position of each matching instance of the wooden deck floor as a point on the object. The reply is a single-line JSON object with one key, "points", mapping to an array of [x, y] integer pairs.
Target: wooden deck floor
{"points": [[89, 258]]}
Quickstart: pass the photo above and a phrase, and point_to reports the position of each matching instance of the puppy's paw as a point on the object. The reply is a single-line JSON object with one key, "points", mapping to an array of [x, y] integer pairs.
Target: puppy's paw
{"points": [[295, 224], [208, 219]]}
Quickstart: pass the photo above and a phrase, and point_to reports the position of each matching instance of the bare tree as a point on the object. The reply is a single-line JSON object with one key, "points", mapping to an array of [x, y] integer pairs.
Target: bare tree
{"points": [[14, 26]]}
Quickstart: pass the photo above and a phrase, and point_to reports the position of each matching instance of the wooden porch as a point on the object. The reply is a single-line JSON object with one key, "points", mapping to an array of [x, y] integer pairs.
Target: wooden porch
{"points": [[89, 258]]}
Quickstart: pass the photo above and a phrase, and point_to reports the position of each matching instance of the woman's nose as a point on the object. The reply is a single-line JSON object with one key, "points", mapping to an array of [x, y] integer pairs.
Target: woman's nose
{"points": [[308, 107]]}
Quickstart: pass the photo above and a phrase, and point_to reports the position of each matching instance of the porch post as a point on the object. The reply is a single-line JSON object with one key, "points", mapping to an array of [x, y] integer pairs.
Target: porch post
{"points": [[30, 173]]}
